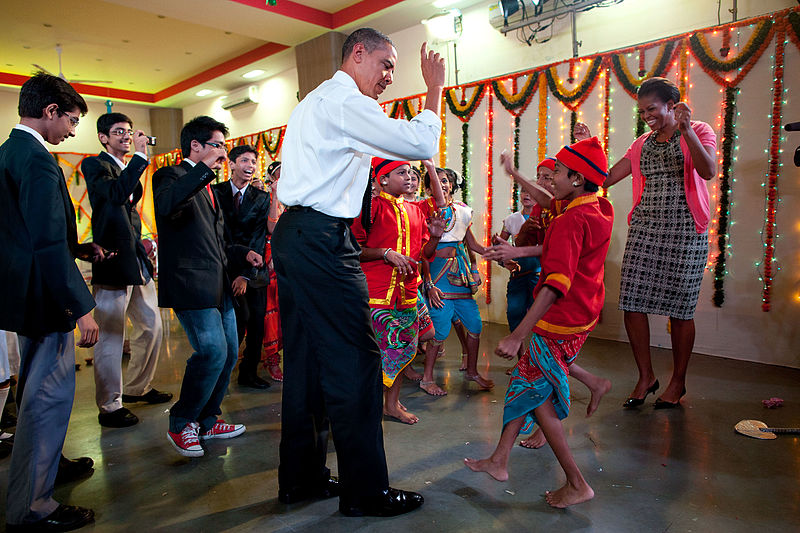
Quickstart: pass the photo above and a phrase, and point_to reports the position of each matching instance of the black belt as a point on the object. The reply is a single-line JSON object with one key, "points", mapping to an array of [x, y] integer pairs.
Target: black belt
{"points": [[306, 209], [299, 208]]}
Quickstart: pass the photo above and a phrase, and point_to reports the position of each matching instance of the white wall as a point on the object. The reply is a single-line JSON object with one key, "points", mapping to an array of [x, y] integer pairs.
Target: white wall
{"points": [[85, 140], [278, 98]]}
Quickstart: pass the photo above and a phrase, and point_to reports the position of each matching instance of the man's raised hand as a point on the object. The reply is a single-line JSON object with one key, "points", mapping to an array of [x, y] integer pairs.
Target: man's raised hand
{"points": [[433, 67]]}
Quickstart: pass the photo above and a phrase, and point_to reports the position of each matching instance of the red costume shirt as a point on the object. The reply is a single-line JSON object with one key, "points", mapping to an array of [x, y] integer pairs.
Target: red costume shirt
{"points": [[573, 264], [401, 226]]}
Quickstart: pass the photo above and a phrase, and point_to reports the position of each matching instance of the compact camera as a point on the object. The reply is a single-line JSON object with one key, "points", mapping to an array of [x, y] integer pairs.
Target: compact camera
{"points": [[151, 141]]}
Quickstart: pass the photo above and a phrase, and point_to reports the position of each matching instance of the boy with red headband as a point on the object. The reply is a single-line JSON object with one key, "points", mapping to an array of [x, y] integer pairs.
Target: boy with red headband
{"points": [[395, 235], [568, 300]]}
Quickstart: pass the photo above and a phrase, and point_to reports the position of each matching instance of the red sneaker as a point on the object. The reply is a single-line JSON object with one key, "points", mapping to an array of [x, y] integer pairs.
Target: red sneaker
{"points": [[221, 430], [186, 442]]}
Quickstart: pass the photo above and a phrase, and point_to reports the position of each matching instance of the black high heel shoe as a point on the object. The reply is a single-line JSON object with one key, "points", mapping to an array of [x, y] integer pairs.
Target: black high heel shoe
{"points": [[636, 402], [661, 404]]}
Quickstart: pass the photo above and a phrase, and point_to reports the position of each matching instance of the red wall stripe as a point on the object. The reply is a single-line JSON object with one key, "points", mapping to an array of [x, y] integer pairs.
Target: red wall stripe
{"points": [[360, 10], [261, 52], [293, 10]]}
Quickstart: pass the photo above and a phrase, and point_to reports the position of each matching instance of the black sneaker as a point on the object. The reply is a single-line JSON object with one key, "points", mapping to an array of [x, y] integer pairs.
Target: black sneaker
{"points": [[151, 397]]}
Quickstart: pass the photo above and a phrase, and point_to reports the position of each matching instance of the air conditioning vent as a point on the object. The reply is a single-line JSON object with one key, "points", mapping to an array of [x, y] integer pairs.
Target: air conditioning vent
{"points": [[240, 97]]}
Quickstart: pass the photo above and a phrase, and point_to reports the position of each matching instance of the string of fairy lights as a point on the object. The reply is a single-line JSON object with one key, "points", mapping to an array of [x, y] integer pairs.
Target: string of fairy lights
{"points": [[680, 55]]}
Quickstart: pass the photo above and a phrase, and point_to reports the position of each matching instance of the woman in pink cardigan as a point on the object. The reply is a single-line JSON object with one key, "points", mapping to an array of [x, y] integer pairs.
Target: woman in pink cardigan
{"points": [[667, 247]]}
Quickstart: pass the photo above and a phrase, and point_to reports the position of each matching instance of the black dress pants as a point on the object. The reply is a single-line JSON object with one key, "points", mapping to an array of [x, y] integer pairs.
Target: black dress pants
{"points": [[332, 365], [250, 312]]}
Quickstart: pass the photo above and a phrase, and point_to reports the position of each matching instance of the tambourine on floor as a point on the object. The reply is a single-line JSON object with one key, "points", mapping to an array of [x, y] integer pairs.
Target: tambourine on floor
{"points": [[759, 430]]}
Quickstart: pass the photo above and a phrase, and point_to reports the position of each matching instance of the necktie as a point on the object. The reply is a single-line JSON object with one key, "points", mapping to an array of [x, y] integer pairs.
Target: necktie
{"points": [[237, 201], [211, 195]]}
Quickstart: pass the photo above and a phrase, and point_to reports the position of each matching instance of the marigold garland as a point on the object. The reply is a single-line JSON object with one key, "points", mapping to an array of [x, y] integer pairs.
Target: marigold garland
{"points": [[606, 116], [574, 98], [542, 123], [394, 110], [723, 205], [774, 164], [683, 71], [793, 27], [746, 59], [443, 135], [272, 141], [464, 109], [664, 58], [517, 102], [408, 109]]}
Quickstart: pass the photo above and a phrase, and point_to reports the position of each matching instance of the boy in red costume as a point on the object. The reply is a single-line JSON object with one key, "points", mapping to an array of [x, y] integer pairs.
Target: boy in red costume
{"points": [[395, 236], [567, 304]]}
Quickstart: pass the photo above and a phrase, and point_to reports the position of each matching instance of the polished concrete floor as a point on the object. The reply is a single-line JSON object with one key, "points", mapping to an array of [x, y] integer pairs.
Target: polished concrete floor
{"points": [[680, 470]]}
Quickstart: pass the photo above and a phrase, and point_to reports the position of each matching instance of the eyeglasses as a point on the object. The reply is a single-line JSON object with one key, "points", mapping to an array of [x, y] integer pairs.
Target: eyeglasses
{"points": [[73, 120], [119, 132], [214, 144]]}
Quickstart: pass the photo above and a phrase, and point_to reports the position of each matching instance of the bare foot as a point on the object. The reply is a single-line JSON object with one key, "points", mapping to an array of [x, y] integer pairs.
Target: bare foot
{"points": [[432, 388], [597, 393], [497, 471], [463, 366], [275, 372], [412, 374], [401, 406], [535, 441], [400, 414], [485, 383], [569, 495]]}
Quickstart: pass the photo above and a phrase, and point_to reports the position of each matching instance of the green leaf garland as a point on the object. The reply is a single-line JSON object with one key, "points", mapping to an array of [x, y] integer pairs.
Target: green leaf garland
{"points": [[631, 83], [729, 106], [573, 98], [465, 110], [516, 103]]}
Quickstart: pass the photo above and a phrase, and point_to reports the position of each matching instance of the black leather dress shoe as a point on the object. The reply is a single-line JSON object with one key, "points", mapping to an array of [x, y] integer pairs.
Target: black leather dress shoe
{"points": [[121, 418], [252, 381], [328, 489], [74, 469], [64, 518], [390, 502], [152, 397]]}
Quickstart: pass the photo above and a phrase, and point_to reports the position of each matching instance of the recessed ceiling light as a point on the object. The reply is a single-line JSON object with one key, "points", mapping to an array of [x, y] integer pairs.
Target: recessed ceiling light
{"points": [[253, 73], [444, 3], [204, 92]]}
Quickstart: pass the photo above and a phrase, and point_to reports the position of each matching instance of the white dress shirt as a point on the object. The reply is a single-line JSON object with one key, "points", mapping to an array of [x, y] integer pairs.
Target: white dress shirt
{"points": [[330, 140]]}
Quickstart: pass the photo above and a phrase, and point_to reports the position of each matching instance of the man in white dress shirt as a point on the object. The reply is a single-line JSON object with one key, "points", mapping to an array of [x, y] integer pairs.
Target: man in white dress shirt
{"points": [[332, 366]]}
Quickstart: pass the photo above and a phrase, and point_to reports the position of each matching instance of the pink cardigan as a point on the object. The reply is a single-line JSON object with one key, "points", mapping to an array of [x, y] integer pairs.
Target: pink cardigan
{"points": [[696, 190]]}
